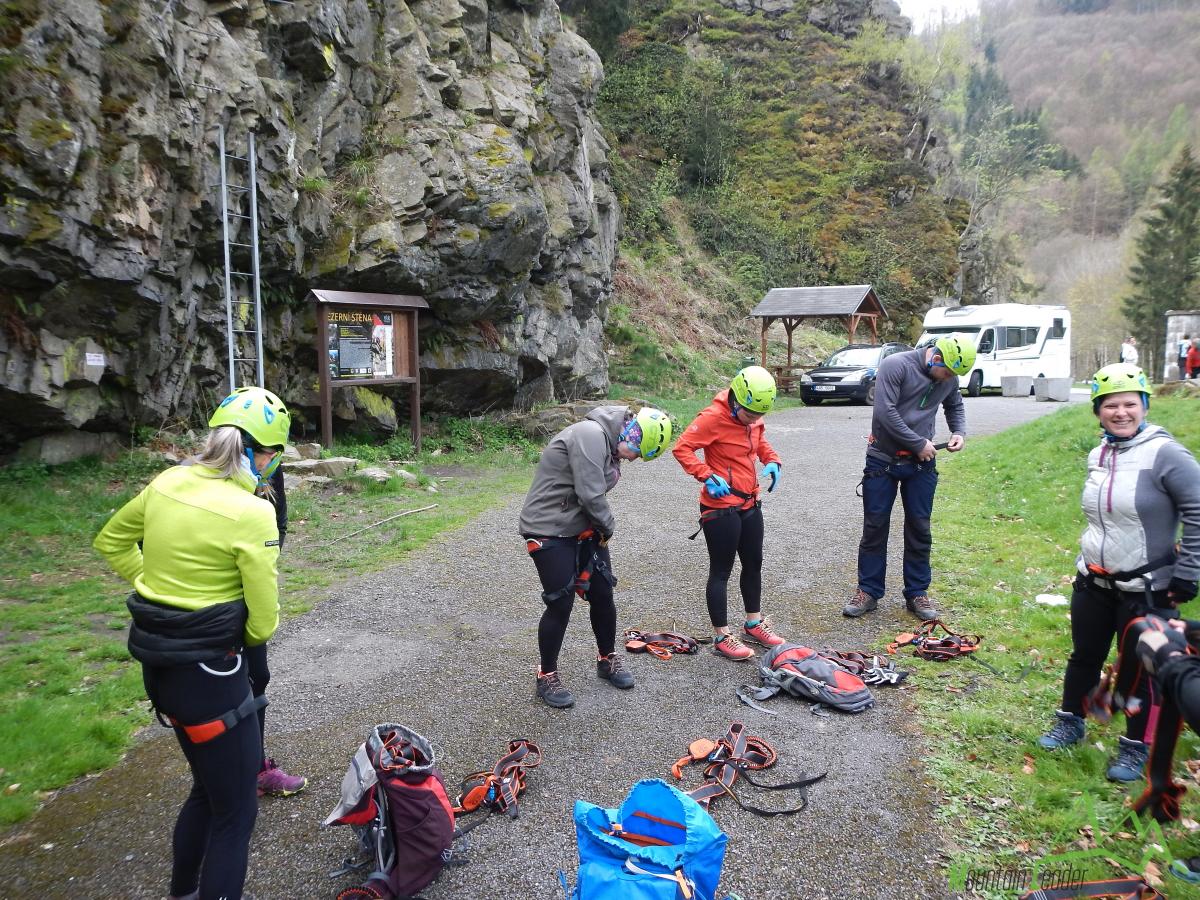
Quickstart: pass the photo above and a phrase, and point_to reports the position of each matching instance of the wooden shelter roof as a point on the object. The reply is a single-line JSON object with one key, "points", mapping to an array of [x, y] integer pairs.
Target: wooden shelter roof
{"points": [[826, 300]]}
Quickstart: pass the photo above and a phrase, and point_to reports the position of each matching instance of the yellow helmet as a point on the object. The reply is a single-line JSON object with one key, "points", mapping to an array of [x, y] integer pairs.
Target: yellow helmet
{"points": [[258, 413], [1117, 379], [656, 432], [957, 352], [754, 388]]}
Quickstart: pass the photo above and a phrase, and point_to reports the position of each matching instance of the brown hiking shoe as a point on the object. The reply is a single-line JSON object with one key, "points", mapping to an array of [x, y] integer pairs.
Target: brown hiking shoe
{"points": [[862, 604], [552, 692], [921, 607]]}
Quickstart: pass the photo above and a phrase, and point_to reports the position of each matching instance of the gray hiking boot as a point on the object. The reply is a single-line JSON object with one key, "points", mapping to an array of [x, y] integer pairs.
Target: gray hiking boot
{"points": [[1130, 761], [862, 604], [921, 607], [550, 690], [612, 669], [1069, 729]]}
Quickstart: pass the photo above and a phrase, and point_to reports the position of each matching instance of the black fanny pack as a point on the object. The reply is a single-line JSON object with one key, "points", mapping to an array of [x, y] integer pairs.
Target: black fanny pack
{"points": [[164, 636]]}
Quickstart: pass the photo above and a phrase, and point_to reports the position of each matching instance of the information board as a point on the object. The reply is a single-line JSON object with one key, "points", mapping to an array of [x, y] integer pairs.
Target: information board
{"points": [[361, 344]]}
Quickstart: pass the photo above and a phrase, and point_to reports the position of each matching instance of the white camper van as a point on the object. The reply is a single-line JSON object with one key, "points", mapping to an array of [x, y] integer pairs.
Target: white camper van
{"points": [[1010, 339]]}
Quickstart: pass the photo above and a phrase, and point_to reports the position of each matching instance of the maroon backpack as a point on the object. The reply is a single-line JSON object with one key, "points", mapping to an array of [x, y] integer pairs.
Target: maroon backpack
{"points": [[396, 802]]}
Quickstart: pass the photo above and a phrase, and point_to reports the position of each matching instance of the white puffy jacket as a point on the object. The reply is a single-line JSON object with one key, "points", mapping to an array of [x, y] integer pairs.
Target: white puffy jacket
{"points": [[1138, 492]]}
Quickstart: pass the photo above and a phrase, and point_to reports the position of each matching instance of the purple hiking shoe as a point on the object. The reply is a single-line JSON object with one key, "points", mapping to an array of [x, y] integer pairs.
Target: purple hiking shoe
{"points": [[275, 782]]}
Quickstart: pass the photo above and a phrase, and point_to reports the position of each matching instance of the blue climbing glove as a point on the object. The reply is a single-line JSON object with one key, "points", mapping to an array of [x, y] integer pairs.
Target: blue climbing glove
{"points": [[772, 469], [716, 486]]}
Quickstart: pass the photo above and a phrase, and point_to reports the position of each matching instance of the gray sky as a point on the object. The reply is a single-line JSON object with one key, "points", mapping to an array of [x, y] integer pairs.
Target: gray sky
{"points": [[922, 12]]}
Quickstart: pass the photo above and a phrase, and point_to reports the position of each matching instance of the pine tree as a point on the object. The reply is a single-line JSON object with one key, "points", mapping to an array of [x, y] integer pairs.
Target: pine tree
{"points": [[1167, 271]]}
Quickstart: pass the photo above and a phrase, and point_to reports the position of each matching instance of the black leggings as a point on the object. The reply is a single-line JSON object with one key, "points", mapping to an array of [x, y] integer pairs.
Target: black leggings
{"points": [[260, 677], [556, 568], [1097, 616], [739, 533], [1180, 678], [212, 834]]}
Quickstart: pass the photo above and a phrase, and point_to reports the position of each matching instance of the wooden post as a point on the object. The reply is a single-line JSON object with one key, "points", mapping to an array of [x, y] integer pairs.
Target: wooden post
{"points": [[789, 325], [763, 354], [875, 329], [323, 376], [414, 405]]}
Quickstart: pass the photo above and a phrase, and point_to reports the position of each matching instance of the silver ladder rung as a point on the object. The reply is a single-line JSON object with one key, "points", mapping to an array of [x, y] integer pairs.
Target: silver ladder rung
{"points": [[244, 331], [238, 244], [238, 216], [245, 359], [238, 158], [242, 302], [242, 274]]}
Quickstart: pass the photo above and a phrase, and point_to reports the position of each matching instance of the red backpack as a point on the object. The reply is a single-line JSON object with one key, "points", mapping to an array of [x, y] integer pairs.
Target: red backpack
{"points": [[804, 673], [391, 790]]}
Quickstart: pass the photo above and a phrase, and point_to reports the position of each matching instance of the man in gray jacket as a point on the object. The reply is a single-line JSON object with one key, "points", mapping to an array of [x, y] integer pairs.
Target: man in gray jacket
{"points": [[566, 522], [909, 388]]}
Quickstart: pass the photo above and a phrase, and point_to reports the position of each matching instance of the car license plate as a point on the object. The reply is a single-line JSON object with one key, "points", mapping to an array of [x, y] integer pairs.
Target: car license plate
{"points": [[823, 387]]}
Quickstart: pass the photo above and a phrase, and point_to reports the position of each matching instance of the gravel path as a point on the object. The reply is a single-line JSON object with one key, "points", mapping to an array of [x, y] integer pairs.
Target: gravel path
{"points": [[445, 643]]}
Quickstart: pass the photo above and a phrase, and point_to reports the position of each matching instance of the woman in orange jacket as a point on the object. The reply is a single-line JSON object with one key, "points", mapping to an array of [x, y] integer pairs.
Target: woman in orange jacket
{"points": [[730, 433]]}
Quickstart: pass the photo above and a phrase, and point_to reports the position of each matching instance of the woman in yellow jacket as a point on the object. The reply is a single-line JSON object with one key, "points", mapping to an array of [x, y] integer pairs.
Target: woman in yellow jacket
{"points": [[200, 550]]}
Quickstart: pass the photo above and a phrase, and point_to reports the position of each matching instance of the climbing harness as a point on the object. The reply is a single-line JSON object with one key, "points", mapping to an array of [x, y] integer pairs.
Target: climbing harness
{"points": [[1095, 572], [1116, 692], [1119, 888], [872, 669], [214, 728], [587, 563], [927, 645], [738, 753], [902, 458], [498, 790], [662, 644], [752, 502]]}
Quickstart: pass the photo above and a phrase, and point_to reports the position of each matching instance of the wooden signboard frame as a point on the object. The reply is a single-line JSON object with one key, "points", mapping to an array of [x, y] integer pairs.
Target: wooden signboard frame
{"points": [[405, 354]]}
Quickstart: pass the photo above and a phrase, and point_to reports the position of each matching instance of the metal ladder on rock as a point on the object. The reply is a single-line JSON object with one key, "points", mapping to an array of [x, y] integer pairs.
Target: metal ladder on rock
{"points": [[243, 300]]}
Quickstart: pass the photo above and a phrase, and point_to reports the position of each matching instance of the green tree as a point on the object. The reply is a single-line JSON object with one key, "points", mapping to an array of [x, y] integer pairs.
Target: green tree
{"points": [[1167, 270], [601, 22]]}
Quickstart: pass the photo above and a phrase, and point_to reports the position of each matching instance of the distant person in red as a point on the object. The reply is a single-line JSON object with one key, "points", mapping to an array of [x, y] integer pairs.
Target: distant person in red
{"points": [[1193, 359]]}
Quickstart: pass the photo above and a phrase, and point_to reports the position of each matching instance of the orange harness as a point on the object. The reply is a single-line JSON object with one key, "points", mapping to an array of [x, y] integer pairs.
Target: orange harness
{"points": [[499, 789], [927, 646], [214, 728], [737, 754], [662, 644]]}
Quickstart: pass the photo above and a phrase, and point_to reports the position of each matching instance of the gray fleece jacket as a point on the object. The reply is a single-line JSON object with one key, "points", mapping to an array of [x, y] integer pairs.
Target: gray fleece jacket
{"points": [[1136, 495], [906, 405], [577, 469]]}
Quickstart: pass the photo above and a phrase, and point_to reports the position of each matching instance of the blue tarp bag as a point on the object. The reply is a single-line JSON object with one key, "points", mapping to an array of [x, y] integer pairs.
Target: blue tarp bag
{"points": [[659, 845]]}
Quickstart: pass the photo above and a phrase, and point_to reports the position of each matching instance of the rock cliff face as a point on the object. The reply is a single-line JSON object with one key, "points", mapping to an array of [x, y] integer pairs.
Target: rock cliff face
{"points": [[445, 148]]}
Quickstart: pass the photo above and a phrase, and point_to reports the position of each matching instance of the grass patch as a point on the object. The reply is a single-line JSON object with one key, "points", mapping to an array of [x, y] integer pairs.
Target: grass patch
{"points": [[64, 669], [1007, 528]]}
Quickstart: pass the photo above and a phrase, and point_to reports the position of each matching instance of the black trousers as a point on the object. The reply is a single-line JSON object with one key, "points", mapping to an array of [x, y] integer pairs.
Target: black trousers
{"points": [[1099, 615], [211, 842], [260, 677], [557, 566], [734, 534]]}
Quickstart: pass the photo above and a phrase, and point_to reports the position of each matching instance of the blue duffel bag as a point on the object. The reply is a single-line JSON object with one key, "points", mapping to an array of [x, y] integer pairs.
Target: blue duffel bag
{"points": [[660, 844]]}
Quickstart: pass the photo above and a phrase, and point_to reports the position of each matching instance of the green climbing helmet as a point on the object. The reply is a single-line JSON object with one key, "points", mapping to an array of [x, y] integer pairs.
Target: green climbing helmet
{"points": [[1117, 379], [656, 432], [957, 352], [258, 413], [754, 388]]}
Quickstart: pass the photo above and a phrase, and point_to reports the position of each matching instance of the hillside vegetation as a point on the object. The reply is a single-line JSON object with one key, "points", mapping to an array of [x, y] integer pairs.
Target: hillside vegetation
{"points": [[753, 153], [1115, 84]]}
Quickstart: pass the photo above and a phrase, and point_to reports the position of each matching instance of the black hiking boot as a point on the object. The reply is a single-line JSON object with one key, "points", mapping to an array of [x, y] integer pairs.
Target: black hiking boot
{"points": [[550, 690], [921, 607], [613, 670], [862, 604]]}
